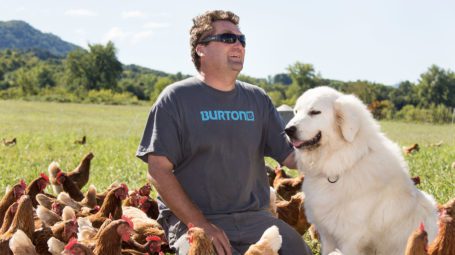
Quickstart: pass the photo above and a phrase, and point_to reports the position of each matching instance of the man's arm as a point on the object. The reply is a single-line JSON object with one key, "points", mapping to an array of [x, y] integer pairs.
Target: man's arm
{"points": [[172, 193], [290, 162]]}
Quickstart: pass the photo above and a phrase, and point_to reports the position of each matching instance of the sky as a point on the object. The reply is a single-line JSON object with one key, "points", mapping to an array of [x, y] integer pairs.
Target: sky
{"points": [[385, 41]]}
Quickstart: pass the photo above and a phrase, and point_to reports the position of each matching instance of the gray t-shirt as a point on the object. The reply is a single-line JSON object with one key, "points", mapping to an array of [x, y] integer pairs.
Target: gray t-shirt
{"points": [[217, 142]]}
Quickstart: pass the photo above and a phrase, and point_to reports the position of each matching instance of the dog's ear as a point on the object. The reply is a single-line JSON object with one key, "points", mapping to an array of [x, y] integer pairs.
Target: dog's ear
{"points": [[347, 116]]}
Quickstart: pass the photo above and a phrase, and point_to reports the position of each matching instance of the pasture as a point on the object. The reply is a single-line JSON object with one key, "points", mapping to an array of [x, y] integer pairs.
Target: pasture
{"points": [[46, 132]]}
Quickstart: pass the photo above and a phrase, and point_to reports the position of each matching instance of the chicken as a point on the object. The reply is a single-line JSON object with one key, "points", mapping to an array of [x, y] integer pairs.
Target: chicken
{"points": [[20, 244], [143, 225], [411, 149], [417, 242], [90, 197], [112, 205], [9, 142], [82, 141], [69, 186], [293, 213], [50, 217], [40, 239], [269, 244], [81, 173], [416, 180], [10, 197], [75, 248], [37, 186], [65, 230], [286, 187], [145, 190], [109, 240], [200, 243], [56, 246], [53, 170], [444, 243], [23, 220], [9, 216], [101, 196], [149, 206], [273, 202]]}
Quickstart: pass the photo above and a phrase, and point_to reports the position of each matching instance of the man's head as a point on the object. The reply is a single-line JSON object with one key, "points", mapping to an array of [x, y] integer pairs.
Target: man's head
{"points": [[208, 27]]}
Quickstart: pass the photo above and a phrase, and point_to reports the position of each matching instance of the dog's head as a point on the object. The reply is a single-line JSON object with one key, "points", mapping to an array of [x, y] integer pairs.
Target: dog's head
{"points": [[324, 115]]}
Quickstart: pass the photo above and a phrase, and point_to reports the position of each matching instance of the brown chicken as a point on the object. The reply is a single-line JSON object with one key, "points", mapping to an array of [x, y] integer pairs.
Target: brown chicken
{"points": [[65, 230], [20, 244], [23, 220], [411, 149], [37, 186], [69, 186], [286, 187], [9, 142], [82, 141], [143, 225], [444, 243], [81, 173], [200, 243], [112, 206], [10, 197], [109, 240], [75, 248], [293, 213], [101, 196], [149, 206], [417, 242], [269, 244], [53, 170], [40, 239], [9, 216]]}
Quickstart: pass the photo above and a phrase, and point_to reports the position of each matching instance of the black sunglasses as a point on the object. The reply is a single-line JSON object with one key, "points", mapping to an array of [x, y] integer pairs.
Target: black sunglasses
{"points": [[225, 38]]}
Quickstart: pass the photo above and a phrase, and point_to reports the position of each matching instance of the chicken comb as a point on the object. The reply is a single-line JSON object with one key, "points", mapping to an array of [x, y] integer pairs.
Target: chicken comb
{"points": [[123, 185], [23, 184], [153, 238], [71, 243], [44, 176], [59, 173], [143, 199], [128, 220], [190, 225], [422, 227]]}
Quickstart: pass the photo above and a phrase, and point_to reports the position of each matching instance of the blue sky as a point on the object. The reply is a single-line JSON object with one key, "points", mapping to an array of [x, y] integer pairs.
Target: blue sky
{"points": [[384, 41]]}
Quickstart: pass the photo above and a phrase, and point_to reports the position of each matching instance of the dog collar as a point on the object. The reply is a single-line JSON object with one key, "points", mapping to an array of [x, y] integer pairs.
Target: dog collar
{"points": [[333, 179]]}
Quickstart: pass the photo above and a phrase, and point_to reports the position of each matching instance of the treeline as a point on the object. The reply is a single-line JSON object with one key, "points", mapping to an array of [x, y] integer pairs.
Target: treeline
{"points": [[97, 76]]}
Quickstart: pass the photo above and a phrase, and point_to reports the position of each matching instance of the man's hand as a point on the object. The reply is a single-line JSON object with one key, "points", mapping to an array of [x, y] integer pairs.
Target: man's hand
{"points": [[219, 239]]}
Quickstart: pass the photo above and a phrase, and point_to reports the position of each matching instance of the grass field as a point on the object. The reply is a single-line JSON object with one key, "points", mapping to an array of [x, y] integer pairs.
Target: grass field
{"points": [[47, 131]]}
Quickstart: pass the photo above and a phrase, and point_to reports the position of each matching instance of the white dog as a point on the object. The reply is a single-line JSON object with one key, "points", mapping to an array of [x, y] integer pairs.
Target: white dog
{"points": [[358, 190]]}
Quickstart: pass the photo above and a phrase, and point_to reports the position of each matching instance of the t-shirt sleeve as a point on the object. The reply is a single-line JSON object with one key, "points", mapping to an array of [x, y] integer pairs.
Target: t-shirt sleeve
{"points": [[277, 145], [161, 134]]}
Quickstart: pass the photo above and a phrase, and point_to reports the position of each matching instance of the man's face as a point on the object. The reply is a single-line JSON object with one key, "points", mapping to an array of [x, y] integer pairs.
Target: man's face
{"points": [[219, 56]]}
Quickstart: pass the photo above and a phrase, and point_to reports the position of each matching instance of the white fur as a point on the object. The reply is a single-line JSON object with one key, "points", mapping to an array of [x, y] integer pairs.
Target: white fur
{"points": [[374, 206]]}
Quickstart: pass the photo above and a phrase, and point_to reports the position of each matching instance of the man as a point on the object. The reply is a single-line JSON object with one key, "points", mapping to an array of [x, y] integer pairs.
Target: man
{"points": [[205, 142]]}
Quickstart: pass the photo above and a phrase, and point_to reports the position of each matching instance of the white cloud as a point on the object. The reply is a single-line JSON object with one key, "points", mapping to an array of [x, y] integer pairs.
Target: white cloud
{"points": [[115, 33], [152, 25], [81, 12], [141, 36], [133, 14]]}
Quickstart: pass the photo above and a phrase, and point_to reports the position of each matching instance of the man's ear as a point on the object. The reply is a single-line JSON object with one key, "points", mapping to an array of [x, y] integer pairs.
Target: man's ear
{"points": [[347, 116], [200, 50]]}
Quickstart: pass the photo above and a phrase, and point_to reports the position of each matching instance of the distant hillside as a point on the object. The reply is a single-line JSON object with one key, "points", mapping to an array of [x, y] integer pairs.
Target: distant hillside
{"points": [[17, 34]]}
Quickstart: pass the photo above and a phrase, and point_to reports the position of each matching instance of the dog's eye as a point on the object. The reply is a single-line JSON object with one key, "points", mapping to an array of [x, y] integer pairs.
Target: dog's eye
{"points": [[314, 112]]}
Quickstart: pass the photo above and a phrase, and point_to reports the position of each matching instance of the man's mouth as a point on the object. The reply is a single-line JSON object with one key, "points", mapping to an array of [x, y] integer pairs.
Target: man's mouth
{"points": [[301, 144]]}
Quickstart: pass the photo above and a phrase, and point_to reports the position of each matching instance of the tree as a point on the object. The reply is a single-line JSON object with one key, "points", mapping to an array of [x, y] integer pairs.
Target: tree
{"points": [[436, 86], [303, 75], [97, 69], [162, 83]]}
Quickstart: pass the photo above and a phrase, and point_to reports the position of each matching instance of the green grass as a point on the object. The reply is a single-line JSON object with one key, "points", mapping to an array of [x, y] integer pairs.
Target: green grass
{"points": [[47, 131]]}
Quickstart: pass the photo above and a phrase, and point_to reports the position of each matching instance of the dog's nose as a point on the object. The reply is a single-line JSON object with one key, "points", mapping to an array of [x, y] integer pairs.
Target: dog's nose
{"points": [[290, 131]]}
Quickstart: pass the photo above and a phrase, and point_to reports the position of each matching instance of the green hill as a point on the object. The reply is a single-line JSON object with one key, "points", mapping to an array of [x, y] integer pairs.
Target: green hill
{"points": [[20, 35]]}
